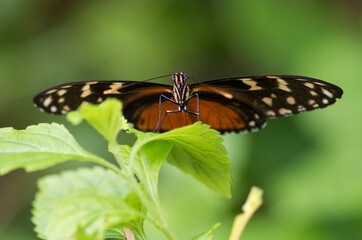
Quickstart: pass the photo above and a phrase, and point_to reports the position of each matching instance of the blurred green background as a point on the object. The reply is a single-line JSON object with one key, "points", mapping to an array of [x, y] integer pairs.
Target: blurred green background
{"points": [[310, 165]]}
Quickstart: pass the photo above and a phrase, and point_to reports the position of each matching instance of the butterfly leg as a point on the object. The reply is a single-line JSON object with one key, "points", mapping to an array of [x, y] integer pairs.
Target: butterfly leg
{"points": [[159, 124], [197, 113], [168, 111]]}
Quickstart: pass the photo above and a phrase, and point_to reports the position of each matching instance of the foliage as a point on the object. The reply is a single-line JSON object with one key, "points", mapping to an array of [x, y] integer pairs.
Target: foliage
{"points": [[91, 203], [309, 165]]}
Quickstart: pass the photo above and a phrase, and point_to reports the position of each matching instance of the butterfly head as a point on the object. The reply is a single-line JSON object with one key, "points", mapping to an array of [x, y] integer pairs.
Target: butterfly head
{"points": [[179, 79], [181, 89]]}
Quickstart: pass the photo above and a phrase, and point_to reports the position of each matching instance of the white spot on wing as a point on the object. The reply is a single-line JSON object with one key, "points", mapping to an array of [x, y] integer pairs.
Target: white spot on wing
{"points": [[291, 100], [86, 93], [251, 83], [284, 88], [53, 109], [309, 84], [47, 101], [301, 108], [284, 111], [51, 91], [61, 92], [319, 83], [86, 87], [283, 85], [254, 129], [267, 101], [313, 93], [270, 113], [113, 89], [328, 93], [94, 82]]}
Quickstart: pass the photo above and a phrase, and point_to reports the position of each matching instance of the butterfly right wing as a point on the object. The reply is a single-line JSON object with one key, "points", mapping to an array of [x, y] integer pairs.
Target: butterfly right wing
{"points": [[255, 98]]}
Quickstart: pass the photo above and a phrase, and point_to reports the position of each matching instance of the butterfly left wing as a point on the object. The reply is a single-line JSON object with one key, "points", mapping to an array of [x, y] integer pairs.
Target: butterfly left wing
{"points": [[253, 99], [135, 96]]}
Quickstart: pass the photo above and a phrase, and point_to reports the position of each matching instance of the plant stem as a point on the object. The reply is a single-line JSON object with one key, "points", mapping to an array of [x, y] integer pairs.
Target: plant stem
{"points": [[154, 205]]}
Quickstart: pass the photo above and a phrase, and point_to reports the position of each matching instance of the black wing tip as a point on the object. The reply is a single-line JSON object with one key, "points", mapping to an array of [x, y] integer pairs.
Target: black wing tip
{"points": [[338, 91]]}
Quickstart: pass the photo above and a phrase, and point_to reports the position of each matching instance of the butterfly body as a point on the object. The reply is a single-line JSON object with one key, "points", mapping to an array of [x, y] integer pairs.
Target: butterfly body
{"points": [[230, 104]]}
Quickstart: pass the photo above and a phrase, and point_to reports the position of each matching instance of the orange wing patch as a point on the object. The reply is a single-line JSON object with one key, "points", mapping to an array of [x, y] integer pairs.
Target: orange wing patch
{"points": [[217, 115], [214, 114], [148, 119]]}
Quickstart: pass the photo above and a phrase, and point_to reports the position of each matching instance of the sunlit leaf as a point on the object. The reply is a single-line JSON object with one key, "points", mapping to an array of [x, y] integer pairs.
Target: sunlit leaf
{"points": [[197, 150], [148, 160], [38, 147], [106, 118]]}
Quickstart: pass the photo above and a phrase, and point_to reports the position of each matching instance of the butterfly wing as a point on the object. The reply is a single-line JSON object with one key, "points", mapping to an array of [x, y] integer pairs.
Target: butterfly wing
{"points": [[135, 96], [253, 99], [232, 104]]}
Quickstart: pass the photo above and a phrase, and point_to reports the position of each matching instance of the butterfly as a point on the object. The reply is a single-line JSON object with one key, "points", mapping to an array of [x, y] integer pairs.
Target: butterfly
{"points": [[230, 104]]}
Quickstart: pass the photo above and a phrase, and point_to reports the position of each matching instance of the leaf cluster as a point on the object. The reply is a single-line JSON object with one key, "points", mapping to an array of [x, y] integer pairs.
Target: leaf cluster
{"points": [[110, 201]]}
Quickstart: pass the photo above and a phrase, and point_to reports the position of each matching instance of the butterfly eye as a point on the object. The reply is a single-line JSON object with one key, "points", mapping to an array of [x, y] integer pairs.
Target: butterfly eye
{"points": [[183, 75]]}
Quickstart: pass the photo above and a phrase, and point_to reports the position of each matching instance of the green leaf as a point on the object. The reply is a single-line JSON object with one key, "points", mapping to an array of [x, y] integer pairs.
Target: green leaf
{"points": [[106, 118], [195, 149], [74, 117], [147, 160], [153, 154], [38, 147], [207, 234], [82, 204], [198, 151], [114, 234], [137, 223], [125, 152]]}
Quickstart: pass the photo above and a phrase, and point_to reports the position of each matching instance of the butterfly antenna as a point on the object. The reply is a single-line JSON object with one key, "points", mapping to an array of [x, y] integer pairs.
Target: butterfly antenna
{"points": [[150, 79]]}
